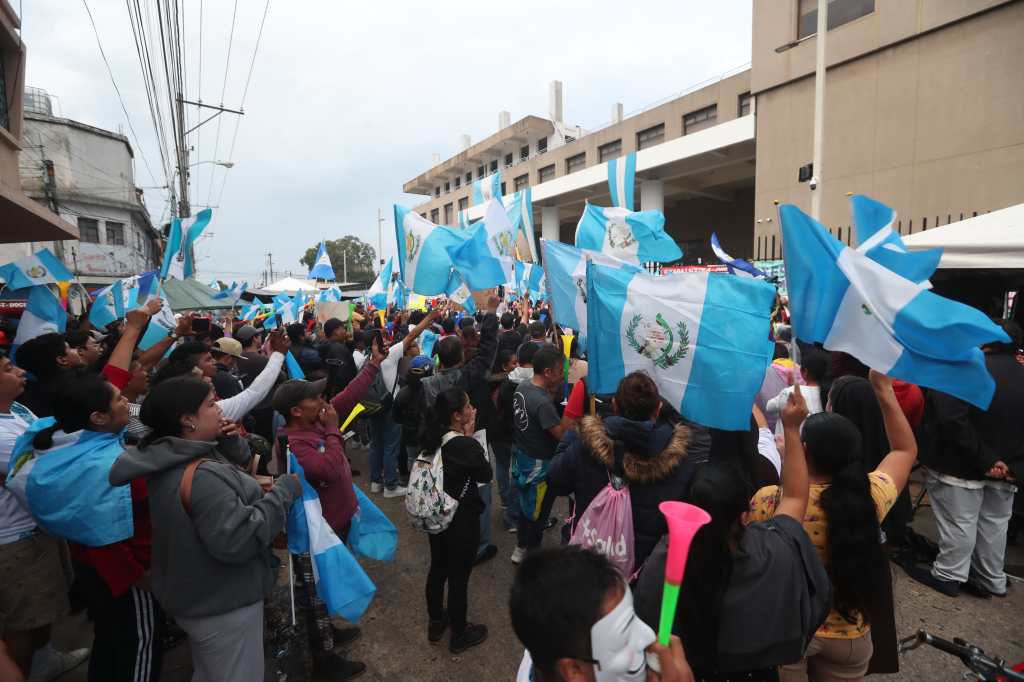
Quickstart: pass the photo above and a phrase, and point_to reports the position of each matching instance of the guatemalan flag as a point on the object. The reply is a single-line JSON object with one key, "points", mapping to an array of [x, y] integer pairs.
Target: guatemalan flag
{"points": [[381, 287], [423, 251], [529, 277], [233, 292], [633, 236], [621, 180], [191, 228], [520, 214], [172, 249], [41, 267], [737, 266], [484, 259], [486, 189], [66, 487], [322, 267], [702, 337], [878, 241], [160, 326], [566, 277], [458, 292], [844, 299], [341, 583], [43, 314], [107, 306]]}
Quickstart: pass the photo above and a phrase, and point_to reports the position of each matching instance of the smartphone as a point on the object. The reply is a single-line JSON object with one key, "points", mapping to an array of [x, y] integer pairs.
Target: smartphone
{"points": [[200, 325]]}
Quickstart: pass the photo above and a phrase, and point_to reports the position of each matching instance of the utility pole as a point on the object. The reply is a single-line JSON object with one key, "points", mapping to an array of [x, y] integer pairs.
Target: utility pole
{"points": [[819, 109], [380, 238], [270, 266], [344, 265], [184, 209]]}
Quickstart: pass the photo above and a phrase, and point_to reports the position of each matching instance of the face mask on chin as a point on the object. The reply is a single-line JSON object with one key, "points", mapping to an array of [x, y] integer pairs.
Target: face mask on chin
{"points": [[618, 641], [521, 374]]}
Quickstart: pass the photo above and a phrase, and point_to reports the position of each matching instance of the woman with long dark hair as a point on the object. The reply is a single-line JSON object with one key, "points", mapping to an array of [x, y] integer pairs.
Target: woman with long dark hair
{"points": [[846, 506], [212, 527], [449, 432]]}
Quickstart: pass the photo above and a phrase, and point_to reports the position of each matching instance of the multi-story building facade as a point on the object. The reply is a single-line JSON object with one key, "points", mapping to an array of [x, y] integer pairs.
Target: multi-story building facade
{"points": [[923, 111]]}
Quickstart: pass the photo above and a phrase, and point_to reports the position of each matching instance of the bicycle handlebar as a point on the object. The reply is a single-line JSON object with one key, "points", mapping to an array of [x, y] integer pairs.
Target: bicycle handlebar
{"points": [[971, 656]]}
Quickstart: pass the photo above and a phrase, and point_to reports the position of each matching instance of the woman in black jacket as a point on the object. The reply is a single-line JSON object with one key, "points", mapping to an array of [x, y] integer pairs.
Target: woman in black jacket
{"points": [[654, 460], [450, 428]]}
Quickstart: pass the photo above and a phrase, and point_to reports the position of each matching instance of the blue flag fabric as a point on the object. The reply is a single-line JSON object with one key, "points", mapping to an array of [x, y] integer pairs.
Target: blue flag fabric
{"points": [[172, 248], [703, 338], [428, 340], [146, 284], [291, 366], [529, 277], [458, 292], [621, 181], [520, 214], [486, 189], [849, 302], [322, 266], [372, 535], [108, 306], [633, 236], [485, 260], [43, 314], [736, 266], [877, 240], [40, 268], [66, 488], [378, 291], [191, 228], [341, 583], [423, 257]]}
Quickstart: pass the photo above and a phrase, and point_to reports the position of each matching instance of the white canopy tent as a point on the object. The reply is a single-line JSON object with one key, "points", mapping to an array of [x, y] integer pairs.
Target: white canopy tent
{"points": [[992, 241], [290, 285]]}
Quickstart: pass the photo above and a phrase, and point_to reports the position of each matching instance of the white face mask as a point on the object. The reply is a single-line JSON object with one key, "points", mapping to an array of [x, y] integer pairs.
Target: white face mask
{"points": [[618, 641], [521, 374]]}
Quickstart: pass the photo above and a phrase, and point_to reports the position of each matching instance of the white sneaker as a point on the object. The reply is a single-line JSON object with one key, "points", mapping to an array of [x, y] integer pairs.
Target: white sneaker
{"points": [[395, 492], [518, 555], [376, 487], [50, 663]]}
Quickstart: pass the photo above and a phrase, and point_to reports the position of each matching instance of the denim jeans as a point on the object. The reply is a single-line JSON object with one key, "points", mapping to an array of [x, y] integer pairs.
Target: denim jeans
{"points": [[485, 518], [502, 472], [385, 439]]}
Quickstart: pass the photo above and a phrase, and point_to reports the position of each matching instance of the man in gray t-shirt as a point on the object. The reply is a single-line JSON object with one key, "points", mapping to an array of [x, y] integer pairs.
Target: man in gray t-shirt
{"points": [[536, 431]]}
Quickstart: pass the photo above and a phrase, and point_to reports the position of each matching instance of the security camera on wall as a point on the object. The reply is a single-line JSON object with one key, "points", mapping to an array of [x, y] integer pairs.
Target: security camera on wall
{"points": [[813, 183]]}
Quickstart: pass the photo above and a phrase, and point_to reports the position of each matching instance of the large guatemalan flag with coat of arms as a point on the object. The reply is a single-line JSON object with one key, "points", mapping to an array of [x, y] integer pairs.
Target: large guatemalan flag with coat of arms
{"points": [[702, 337]]}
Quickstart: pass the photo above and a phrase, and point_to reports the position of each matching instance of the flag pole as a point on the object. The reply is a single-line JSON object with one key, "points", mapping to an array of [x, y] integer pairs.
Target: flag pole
{"points": [[291, 560]]}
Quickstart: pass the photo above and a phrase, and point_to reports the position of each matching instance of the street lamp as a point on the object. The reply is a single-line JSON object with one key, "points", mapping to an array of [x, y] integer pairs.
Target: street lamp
{"points": [[226, 164]]}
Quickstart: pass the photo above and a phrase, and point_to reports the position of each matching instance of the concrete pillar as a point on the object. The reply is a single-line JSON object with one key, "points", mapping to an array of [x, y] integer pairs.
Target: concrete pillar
{"points": [[549, 226], [617, 112], [652, 195]]}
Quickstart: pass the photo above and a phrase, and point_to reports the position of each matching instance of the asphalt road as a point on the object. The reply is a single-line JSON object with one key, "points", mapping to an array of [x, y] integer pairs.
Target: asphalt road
{"points": [[394, 643]]}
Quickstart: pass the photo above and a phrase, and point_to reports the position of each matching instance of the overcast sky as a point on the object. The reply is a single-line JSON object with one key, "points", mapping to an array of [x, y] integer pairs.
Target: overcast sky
{"points": [[349, 100]]}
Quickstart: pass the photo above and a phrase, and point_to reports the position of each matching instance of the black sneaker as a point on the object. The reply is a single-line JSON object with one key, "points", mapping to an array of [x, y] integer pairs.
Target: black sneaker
{"points": [[489, 553], [923, 575], [470, 637], [436, 628], [345, 636], [330, 667]]}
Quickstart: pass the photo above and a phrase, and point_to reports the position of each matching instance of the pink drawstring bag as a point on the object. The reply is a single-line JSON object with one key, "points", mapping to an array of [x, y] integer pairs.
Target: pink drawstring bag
{"points": [[606, 525]]}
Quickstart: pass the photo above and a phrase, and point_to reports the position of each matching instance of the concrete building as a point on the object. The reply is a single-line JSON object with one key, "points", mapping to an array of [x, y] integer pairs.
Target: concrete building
{"points": [[86, 175], [21, 219], [924, 111]]}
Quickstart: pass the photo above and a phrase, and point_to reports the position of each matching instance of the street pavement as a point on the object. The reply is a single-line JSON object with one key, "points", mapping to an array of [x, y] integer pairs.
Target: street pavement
{"points": [[394, 643]]}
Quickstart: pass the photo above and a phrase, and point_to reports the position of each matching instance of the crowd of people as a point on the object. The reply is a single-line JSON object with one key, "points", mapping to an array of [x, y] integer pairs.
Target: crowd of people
{"points": [[790, 580]]}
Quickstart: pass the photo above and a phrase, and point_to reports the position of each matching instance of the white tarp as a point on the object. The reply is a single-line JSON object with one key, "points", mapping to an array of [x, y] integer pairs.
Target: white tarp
{"points": [[290, 285], [994, 240]]}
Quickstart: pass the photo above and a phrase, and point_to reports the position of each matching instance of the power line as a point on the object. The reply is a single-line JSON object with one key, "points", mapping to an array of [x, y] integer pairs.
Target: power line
{"points": [[110, 72], [224, 87]]}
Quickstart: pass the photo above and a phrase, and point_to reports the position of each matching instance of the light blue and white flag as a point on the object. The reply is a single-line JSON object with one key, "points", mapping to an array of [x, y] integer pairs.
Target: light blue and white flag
{"points": [[341, 583], [253, 309], [737, 266], [566, 279], [66, 487], [42, 267], [287, 308], [633, 236], [458, 292], [486, 189], [520, 214], [485, 260], [161, 325], [322, 267], [232, 293], [529, 277], [878, 241], [291, 365], [147, 284], [423, 251], [172, 248], [621, 180], [329, 295], [702, 337], [464, 222], [107, 306], [43, 314], [849, 302], [191, 228], [381, 287]]}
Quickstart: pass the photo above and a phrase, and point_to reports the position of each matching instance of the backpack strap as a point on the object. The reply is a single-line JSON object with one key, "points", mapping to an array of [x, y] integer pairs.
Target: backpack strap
{"points": [[185, 487], [617, 474]]}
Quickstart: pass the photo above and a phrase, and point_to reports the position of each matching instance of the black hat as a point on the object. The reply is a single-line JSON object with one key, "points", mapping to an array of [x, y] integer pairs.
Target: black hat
{"points": [[291, 393]]}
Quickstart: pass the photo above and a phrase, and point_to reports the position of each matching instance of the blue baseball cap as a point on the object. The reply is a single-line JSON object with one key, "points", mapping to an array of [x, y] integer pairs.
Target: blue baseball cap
{"points": [[421, 362]]}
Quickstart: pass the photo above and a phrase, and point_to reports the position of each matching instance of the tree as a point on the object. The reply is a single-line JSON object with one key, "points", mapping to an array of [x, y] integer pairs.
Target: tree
{"points": [[361, 257]]}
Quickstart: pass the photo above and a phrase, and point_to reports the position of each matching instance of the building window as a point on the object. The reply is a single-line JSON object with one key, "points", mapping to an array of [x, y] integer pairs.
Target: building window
{"points": [[494, 166], [542, 145], [839, 13], [650, 137], [546, 173], [522, 182], [700, 119], [609, 151], [524, 152], [469, 178], [423, 215], [138, 242], [463, 203], [115, 234], [744, 107], [508, 160], [435, 215], [480, 170], [88, 230], [575, 163], [502, 190], [5, 114], [447, 214], [458, 181], [437, 191], [447, 187]]}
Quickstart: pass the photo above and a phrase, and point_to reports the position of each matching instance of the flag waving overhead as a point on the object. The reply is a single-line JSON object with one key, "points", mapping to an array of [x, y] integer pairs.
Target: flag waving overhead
{"points": [[172, 248], [847, 301], [702, 337], [737, 266], [529, 277], [878, 241], [633, 236], [322, 267], [458, 292], [191, 228], [520, 214], [423, 251], [107, 306], [41, 267], [486, 189], [621, 180], [43, 315], [378, 291], [233, 292], [485, 259]]}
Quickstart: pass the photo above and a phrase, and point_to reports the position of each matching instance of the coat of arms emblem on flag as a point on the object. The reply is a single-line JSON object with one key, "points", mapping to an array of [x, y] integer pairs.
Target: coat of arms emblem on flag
{"points": [[657, 341]]}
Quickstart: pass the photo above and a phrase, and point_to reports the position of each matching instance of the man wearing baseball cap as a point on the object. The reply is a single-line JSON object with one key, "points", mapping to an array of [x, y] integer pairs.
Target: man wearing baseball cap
{"points": [[226, 352]]}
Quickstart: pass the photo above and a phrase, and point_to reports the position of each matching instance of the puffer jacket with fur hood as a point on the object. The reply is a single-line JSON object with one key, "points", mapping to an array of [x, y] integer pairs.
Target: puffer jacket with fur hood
{"points": [[655, 466]]}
